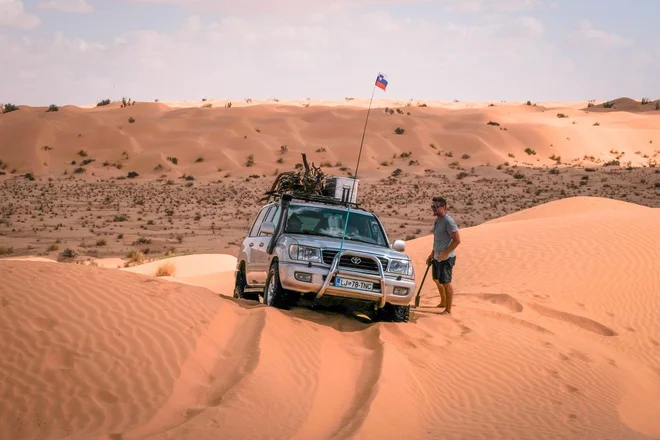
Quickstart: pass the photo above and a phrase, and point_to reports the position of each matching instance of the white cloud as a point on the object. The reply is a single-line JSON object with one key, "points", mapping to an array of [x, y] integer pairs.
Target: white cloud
{"points": [[289, 7], [530, 27], [514, 5], [476, 6], [13, 15], [589, 34], [258, 56], [72, 6], [331, 56]]}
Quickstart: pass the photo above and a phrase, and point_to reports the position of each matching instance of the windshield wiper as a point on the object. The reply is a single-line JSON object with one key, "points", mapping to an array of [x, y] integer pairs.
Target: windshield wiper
{"points": [[319, 234], [359, 240]]}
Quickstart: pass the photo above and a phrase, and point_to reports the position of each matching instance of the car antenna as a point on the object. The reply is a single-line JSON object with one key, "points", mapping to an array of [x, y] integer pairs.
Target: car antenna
{"points": [[381, 83]]}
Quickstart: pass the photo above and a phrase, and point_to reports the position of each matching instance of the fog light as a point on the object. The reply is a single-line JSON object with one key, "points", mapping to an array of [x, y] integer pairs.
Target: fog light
{"points": [[401, 291], [305, 277]]}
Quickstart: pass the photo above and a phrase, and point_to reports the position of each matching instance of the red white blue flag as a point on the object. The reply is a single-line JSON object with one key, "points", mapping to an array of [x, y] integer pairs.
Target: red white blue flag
{"points": [[381, 81]]}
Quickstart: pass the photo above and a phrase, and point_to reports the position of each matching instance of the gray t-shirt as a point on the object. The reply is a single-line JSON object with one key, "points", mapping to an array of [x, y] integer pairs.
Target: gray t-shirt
{"points": [[442, 228]]}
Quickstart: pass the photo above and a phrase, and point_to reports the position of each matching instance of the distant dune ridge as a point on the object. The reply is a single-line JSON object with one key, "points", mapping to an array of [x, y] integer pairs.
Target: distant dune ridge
{"points": [[555, 335], [113, 141]]}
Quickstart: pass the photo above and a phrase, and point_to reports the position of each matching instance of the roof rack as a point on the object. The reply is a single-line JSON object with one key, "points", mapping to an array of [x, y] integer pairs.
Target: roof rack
{"points": [[309, 198]]}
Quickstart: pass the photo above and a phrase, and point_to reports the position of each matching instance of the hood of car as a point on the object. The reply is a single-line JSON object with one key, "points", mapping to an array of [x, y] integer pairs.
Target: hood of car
{"points": [[333, 244]]}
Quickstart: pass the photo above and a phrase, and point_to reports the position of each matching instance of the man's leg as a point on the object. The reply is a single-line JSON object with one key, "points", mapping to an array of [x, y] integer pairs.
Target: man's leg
{"points": [[436, 269], [444, 278], [443, 295], [450, 296]]}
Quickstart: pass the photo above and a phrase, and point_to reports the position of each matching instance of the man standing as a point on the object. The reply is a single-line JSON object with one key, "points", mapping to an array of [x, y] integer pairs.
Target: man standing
{"points": [[443, 256]]}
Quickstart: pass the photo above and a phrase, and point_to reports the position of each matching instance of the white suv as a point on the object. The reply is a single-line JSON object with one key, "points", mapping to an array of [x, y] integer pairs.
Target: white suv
{"points": [[293, 254]]}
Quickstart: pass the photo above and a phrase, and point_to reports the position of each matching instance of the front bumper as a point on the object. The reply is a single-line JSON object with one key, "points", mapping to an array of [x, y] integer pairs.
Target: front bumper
{"points": [[322, 282]]}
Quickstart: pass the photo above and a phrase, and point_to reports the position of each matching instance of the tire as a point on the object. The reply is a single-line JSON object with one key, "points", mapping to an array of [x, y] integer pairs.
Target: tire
{"points": [[392, 313], [274, 294], [239, 288]]}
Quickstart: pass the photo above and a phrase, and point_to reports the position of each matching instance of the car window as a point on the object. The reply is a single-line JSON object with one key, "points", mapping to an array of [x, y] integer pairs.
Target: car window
{"points": [[274, 211], [257, 221], [329, 222], [276, 216], [272, 216]]}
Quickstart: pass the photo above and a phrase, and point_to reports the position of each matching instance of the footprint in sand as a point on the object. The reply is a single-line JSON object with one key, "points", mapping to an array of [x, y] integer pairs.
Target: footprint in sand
{"points": [[502, 299], [571, 388], [552, 373], [4, 302], [654, 342], [60, 358], [107, 397], [579, 355], [44, 323], [213, 424], [464, 329]]}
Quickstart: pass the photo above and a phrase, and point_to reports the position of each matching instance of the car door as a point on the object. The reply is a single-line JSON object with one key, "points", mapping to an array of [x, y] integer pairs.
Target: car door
{"points": [[261, 245], [252, 255]]}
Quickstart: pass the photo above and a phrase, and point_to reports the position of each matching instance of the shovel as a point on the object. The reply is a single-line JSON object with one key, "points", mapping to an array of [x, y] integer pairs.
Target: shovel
{"points": [[417, 298]]}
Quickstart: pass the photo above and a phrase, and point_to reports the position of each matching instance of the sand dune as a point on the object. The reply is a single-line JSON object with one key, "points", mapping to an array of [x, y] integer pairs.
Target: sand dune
{"points": [[212, 271], [111, 141], [555, 335], [189, 265]]}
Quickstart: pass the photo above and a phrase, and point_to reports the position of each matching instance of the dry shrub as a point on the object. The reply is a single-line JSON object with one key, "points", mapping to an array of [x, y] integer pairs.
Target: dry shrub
{"points": [[136, 257], [166, 269]]}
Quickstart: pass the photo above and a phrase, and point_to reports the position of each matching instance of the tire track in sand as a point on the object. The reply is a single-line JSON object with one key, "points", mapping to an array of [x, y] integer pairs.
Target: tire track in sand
{"points": [[226, 353], [348, 384]]}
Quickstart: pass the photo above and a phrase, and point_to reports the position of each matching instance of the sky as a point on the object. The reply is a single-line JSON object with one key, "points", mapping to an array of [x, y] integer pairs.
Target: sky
{"points": [[83, 51]]}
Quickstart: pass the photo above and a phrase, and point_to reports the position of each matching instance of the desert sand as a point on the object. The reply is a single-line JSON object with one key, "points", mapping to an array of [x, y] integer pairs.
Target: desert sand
{"points": [[116, 313], [555, 334]]}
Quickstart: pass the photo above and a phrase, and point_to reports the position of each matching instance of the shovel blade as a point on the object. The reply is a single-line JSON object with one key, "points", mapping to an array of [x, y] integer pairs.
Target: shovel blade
{"points": [[417, 297]]}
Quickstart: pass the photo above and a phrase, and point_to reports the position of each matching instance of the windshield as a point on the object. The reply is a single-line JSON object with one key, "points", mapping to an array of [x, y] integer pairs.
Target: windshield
{"points": [[318, 220]]}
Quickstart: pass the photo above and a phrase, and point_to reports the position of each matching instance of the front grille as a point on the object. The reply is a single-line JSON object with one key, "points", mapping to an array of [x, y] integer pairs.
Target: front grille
{"points": [[365, 264]]}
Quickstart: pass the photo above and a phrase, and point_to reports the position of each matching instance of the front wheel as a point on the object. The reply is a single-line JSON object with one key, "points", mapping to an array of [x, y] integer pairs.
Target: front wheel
{"points": [[239, 288], [274, 294], [392, 313]]}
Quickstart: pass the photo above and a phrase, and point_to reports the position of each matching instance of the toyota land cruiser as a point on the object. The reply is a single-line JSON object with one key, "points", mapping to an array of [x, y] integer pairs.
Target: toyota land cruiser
{"points": [[293, 253]]}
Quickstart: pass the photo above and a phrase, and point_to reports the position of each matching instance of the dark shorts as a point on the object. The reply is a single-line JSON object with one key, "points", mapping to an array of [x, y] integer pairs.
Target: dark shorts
{"points": [[442, 270]]}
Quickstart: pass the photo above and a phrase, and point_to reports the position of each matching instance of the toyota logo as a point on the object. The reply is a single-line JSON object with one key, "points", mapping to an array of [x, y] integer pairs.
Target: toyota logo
{"points": [[356, 260]]}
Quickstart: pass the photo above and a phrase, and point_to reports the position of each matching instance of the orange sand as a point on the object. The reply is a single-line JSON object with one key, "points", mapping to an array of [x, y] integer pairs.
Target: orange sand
{"points": [[225, 137], [555, 335]]}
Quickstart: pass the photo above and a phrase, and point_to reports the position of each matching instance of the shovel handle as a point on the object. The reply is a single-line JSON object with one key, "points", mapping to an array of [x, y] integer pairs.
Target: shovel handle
{"points": [[419, 291]]}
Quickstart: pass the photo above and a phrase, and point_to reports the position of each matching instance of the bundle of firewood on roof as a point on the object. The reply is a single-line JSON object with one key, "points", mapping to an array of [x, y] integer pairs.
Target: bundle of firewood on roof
{"points": [[309, 180]]}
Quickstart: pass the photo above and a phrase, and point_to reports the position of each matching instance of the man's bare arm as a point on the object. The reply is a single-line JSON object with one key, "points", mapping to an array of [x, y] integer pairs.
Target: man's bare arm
{"points": [[455, 241]]}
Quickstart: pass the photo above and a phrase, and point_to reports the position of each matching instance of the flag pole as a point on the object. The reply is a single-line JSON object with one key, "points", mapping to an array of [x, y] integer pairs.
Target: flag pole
{"points": [[357, 166]]}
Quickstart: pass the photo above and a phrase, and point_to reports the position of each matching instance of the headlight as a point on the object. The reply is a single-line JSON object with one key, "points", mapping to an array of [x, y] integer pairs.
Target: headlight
{"points": [[404, 267], [305, 253]]}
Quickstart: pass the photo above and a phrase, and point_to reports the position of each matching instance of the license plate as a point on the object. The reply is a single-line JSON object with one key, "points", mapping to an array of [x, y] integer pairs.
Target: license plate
{"points": [[354, 284]]}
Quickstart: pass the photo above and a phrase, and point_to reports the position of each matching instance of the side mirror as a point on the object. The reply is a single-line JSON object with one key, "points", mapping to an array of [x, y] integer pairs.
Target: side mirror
{"points": [[268, 228], [399, 245]]}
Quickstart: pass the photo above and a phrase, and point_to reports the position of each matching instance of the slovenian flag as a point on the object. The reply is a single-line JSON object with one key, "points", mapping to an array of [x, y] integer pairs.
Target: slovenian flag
{"points": [[381, 82]]}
